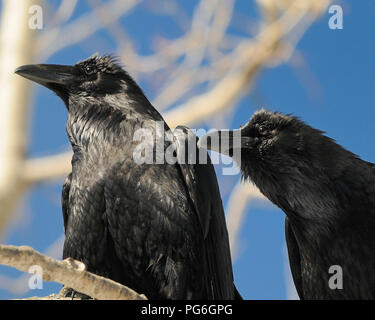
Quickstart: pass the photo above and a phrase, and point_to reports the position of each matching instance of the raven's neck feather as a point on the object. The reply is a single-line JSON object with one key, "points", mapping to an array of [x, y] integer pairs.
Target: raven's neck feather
{"points": [[108, 118]]}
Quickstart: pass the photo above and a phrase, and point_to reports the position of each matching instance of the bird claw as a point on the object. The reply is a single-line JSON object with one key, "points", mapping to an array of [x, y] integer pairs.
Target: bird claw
{"points": [[75, 295]]}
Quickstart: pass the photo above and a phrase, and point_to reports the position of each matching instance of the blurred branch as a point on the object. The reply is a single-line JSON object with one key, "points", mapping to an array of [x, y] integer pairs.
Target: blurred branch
{"points": [[248, 58], [198, 39], [81, 28], [47, 168], [113, 26], [65, 11], [16, 43], [62, 14], [69, 272], [241, 196]]}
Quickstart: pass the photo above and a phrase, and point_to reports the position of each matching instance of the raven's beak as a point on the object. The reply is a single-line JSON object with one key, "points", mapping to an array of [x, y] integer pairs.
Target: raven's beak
{"points": [[222, 141], [47, 74]]}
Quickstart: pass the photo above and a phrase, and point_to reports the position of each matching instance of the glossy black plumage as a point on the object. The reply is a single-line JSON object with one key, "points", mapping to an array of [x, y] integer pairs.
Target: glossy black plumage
{"points": [[328, 195], [157, 228]]}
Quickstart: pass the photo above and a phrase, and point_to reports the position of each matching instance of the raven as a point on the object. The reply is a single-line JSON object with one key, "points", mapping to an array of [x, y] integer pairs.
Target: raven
{"points": [[158, 228], [327, 194]]}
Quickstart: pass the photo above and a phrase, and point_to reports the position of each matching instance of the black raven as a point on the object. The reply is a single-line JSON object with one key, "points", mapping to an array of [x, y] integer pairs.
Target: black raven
{"points": [[327, 194], [158, 228]]}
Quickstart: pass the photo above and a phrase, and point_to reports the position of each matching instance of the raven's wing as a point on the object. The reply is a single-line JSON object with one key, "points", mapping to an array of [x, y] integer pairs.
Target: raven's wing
{"points": [[65, 199], [204, 193], [294, 257]]}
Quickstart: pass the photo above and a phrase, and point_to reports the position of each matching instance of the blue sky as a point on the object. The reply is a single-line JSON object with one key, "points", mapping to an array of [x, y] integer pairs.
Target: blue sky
{"points": [[331, 89]]}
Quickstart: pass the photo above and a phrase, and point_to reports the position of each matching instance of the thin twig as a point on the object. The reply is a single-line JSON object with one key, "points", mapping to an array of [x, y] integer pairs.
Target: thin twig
{"points": [[240, 198]]}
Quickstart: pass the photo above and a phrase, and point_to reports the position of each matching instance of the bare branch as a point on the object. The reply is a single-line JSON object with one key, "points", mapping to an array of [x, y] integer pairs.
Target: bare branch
{"points": [[69, 272], [241, 196], [16, 43], [87, 25], [47, 168], [248, 59], [63, 12], [19, 286]]}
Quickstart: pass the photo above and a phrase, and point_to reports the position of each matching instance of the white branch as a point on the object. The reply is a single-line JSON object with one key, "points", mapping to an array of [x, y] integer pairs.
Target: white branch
{"points": [[81, 28], [248, 59], [69, 272], [16, 43], [241, 196], [47, 168], [19, 286]]}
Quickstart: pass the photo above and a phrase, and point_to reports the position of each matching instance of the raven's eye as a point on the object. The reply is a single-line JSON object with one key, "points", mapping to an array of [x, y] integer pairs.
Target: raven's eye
{"points": [[89, 70], [262, 129]]}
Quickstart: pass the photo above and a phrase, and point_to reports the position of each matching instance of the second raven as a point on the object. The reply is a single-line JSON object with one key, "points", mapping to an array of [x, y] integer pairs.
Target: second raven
{"points": [[327, 193]]}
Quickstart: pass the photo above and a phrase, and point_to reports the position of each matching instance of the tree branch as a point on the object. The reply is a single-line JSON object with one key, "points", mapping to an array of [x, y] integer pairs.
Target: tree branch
{"points": [[47, 168], [87, 25], [16, 43], [69, 272], [248, 58], [241, 196]]}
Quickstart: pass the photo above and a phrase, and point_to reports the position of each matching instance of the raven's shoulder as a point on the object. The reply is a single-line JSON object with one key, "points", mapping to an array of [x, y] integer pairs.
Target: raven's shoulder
{"points": [[356, 185]]}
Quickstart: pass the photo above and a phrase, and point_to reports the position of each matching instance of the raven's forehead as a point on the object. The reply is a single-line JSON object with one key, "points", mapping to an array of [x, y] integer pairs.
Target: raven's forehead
{"points": [[274, 119], [106, 63], [262, 116]]}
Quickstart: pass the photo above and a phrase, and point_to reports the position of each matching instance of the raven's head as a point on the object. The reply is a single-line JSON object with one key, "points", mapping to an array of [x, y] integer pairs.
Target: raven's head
{"points": [[96, 76], [269, 139], [283, 156], [102, 99]]}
